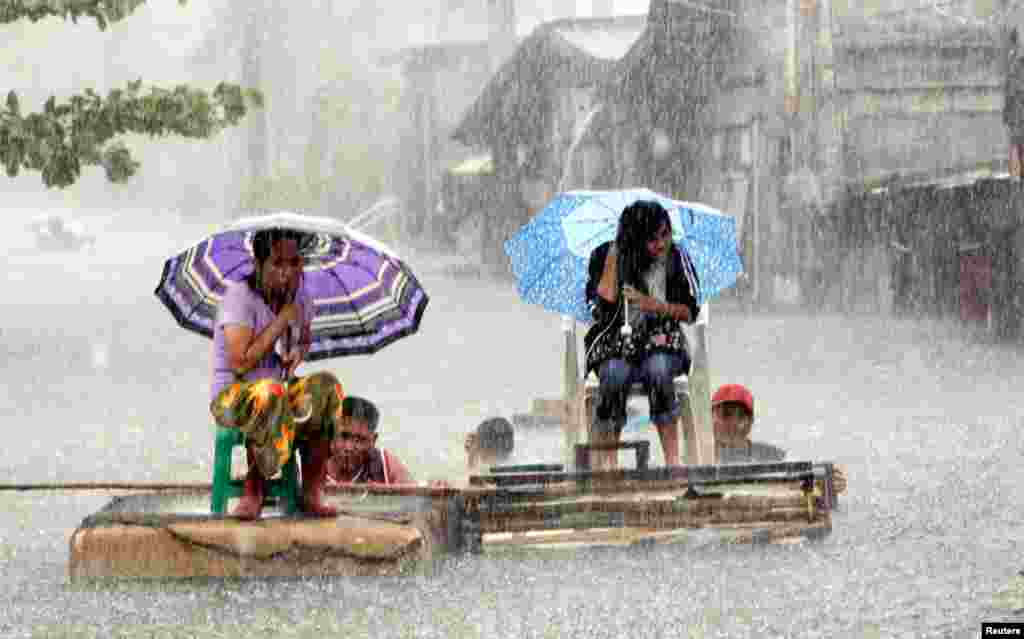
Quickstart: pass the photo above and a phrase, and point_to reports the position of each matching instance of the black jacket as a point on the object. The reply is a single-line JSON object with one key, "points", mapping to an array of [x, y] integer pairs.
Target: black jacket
{"points": [[607, 314]]}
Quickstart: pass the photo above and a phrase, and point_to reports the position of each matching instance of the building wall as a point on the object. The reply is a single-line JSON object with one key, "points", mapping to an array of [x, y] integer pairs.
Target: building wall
{"points": [[823, 97], [925, 109], [748, 136], [436, 92], [912, 108]]}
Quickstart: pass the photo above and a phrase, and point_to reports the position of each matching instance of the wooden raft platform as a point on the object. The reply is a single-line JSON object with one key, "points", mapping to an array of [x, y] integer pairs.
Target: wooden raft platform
{"points": [[165, 536], [752, 503], [387, 530]]}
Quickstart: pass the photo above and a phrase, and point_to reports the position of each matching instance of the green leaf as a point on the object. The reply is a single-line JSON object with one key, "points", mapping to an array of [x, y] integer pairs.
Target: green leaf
{"points": [[12, 103], [255, 98], [118, 163], [103, 11], [81, 131]]}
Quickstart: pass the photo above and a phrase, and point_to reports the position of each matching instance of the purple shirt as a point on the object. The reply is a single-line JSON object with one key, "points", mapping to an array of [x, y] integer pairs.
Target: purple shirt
{"points": [[242, 307]]}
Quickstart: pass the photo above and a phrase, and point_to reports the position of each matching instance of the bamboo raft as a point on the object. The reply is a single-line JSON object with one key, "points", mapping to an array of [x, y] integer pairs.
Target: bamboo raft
{"points": [[394, 529], [786, 501], [170, 534], [388, 530]]}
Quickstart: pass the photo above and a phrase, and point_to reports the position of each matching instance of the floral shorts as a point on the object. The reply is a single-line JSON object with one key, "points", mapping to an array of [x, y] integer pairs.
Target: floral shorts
{"points": [[274, 415]]}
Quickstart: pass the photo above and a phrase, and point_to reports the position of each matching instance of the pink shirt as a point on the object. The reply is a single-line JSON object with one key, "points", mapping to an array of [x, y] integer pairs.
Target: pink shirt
{"points": [[242, 307]]}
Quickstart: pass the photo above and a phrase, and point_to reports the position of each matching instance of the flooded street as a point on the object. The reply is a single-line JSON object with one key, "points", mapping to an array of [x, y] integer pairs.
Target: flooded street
{"points": [[101, 384]]}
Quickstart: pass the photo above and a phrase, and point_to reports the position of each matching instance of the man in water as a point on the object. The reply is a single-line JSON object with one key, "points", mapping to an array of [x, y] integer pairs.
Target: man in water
{"points": [[732, 410], [732, 414], [490, 444], [355, 457]]}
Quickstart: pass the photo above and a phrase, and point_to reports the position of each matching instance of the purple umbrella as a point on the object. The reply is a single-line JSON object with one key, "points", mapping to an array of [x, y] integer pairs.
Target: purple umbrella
{"points": [[364, 296]]}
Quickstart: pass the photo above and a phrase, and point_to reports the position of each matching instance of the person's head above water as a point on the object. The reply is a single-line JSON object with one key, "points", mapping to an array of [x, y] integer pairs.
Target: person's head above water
{"points": [[732, 409], [277, 272], [497, 437], [492, 442], [355, 433]]}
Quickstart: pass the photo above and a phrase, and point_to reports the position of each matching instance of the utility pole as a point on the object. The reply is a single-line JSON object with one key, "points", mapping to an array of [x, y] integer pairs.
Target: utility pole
{"points": [[253, 36], [501, 35]]}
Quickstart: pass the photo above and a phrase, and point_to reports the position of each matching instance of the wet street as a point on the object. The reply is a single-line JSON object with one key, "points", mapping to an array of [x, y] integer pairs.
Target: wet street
{"points": [[101, 384]]}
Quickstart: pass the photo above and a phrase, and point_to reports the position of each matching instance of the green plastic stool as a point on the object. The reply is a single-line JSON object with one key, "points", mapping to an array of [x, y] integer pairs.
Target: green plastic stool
{"points": [[285, 488]]}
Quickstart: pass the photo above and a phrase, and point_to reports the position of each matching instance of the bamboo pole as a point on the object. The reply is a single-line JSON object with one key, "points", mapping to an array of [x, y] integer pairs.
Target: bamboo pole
{"points": [[832, 123], [739, 533], [700, 475], [654, 506], [791, 74], [769, 518], [755, 263], [406, 490], [607, 487], [572, 419], [104, 485], [700, 443], [163, 520]]}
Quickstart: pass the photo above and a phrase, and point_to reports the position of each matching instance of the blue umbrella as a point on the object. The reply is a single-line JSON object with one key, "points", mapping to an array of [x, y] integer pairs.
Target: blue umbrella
{"points": [[550, 253]]}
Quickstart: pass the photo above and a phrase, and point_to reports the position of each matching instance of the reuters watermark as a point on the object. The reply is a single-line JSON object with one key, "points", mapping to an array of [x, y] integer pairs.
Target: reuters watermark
{"points": [[1002, 629]]}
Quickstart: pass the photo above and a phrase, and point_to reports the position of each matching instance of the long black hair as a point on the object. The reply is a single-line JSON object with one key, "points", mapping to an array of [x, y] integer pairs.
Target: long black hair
{"points": [[638, 225], [262, 241]]}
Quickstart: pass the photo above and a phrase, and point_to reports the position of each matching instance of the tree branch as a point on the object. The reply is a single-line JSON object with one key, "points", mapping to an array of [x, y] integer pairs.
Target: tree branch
{"points": [[64, 137], [103, 11]]}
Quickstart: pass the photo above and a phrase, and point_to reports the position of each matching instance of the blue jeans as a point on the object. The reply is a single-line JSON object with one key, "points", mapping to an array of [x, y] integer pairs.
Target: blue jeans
{"points": [[657, 373]]}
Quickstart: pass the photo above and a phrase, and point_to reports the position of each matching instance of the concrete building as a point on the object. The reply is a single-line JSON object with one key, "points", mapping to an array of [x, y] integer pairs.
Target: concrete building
{"points": [[788, 115], [541, 121]]}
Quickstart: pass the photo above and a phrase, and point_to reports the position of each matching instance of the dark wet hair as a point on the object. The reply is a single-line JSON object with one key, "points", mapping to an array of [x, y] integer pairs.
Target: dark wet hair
{"points": [[638, 225], [262, 241], [361, 409], [496, 435]]}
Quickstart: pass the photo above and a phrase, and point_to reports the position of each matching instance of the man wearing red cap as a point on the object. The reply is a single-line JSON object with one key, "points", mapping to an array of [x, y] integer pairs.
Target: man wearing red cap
{"points": [[732, 411]]}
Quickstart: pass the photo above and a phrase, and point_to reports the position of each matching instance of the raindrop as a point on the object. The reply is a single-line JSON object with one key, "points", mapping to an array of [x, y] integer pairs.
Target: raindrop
{"points": [[100, 356]]}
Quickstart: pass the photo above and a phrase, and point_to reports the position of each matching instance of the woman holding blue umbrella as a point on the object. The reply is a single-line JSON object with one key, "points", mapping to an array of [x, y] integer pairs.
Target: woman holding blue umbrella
{"points": [[641, 288]]}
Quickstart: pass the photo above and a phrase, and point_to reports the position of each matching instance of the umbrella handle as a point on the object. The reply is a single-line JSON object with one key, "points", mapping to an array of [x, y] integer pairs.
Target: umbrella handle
{"points": [[287, 343], [286, 347], [627, 329]]}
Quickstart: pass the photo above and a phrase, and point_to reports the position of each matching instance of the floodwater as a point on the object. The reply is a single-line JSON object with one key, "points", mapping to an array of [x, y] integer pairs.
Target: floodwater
{"points": [[100, 383]]}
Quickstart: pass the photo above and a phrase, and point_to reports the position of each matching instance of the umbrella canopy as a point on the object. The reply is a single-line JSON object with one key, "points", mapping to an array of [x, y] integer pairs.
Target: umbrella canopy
{"points": [[550, 253], [364, 296]]}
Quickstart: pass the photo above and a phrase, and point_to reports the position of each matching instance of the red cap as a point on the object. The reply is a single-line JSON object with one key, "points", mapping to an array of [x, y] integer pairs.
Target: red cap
{"points": [[734, 393]]}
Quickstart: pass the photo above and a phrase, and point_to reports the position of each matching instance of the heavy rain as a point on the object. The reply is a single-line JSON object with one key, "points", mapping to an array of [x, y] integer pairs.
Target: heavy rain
{"points": [[868, 156]]}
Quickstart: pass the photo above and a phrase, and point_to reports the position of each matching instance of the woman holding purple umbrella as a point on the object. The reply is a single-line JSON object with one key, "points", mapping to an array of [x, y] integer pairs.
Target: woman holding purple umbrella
{"points": [[641, 289], [261, 335]]}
